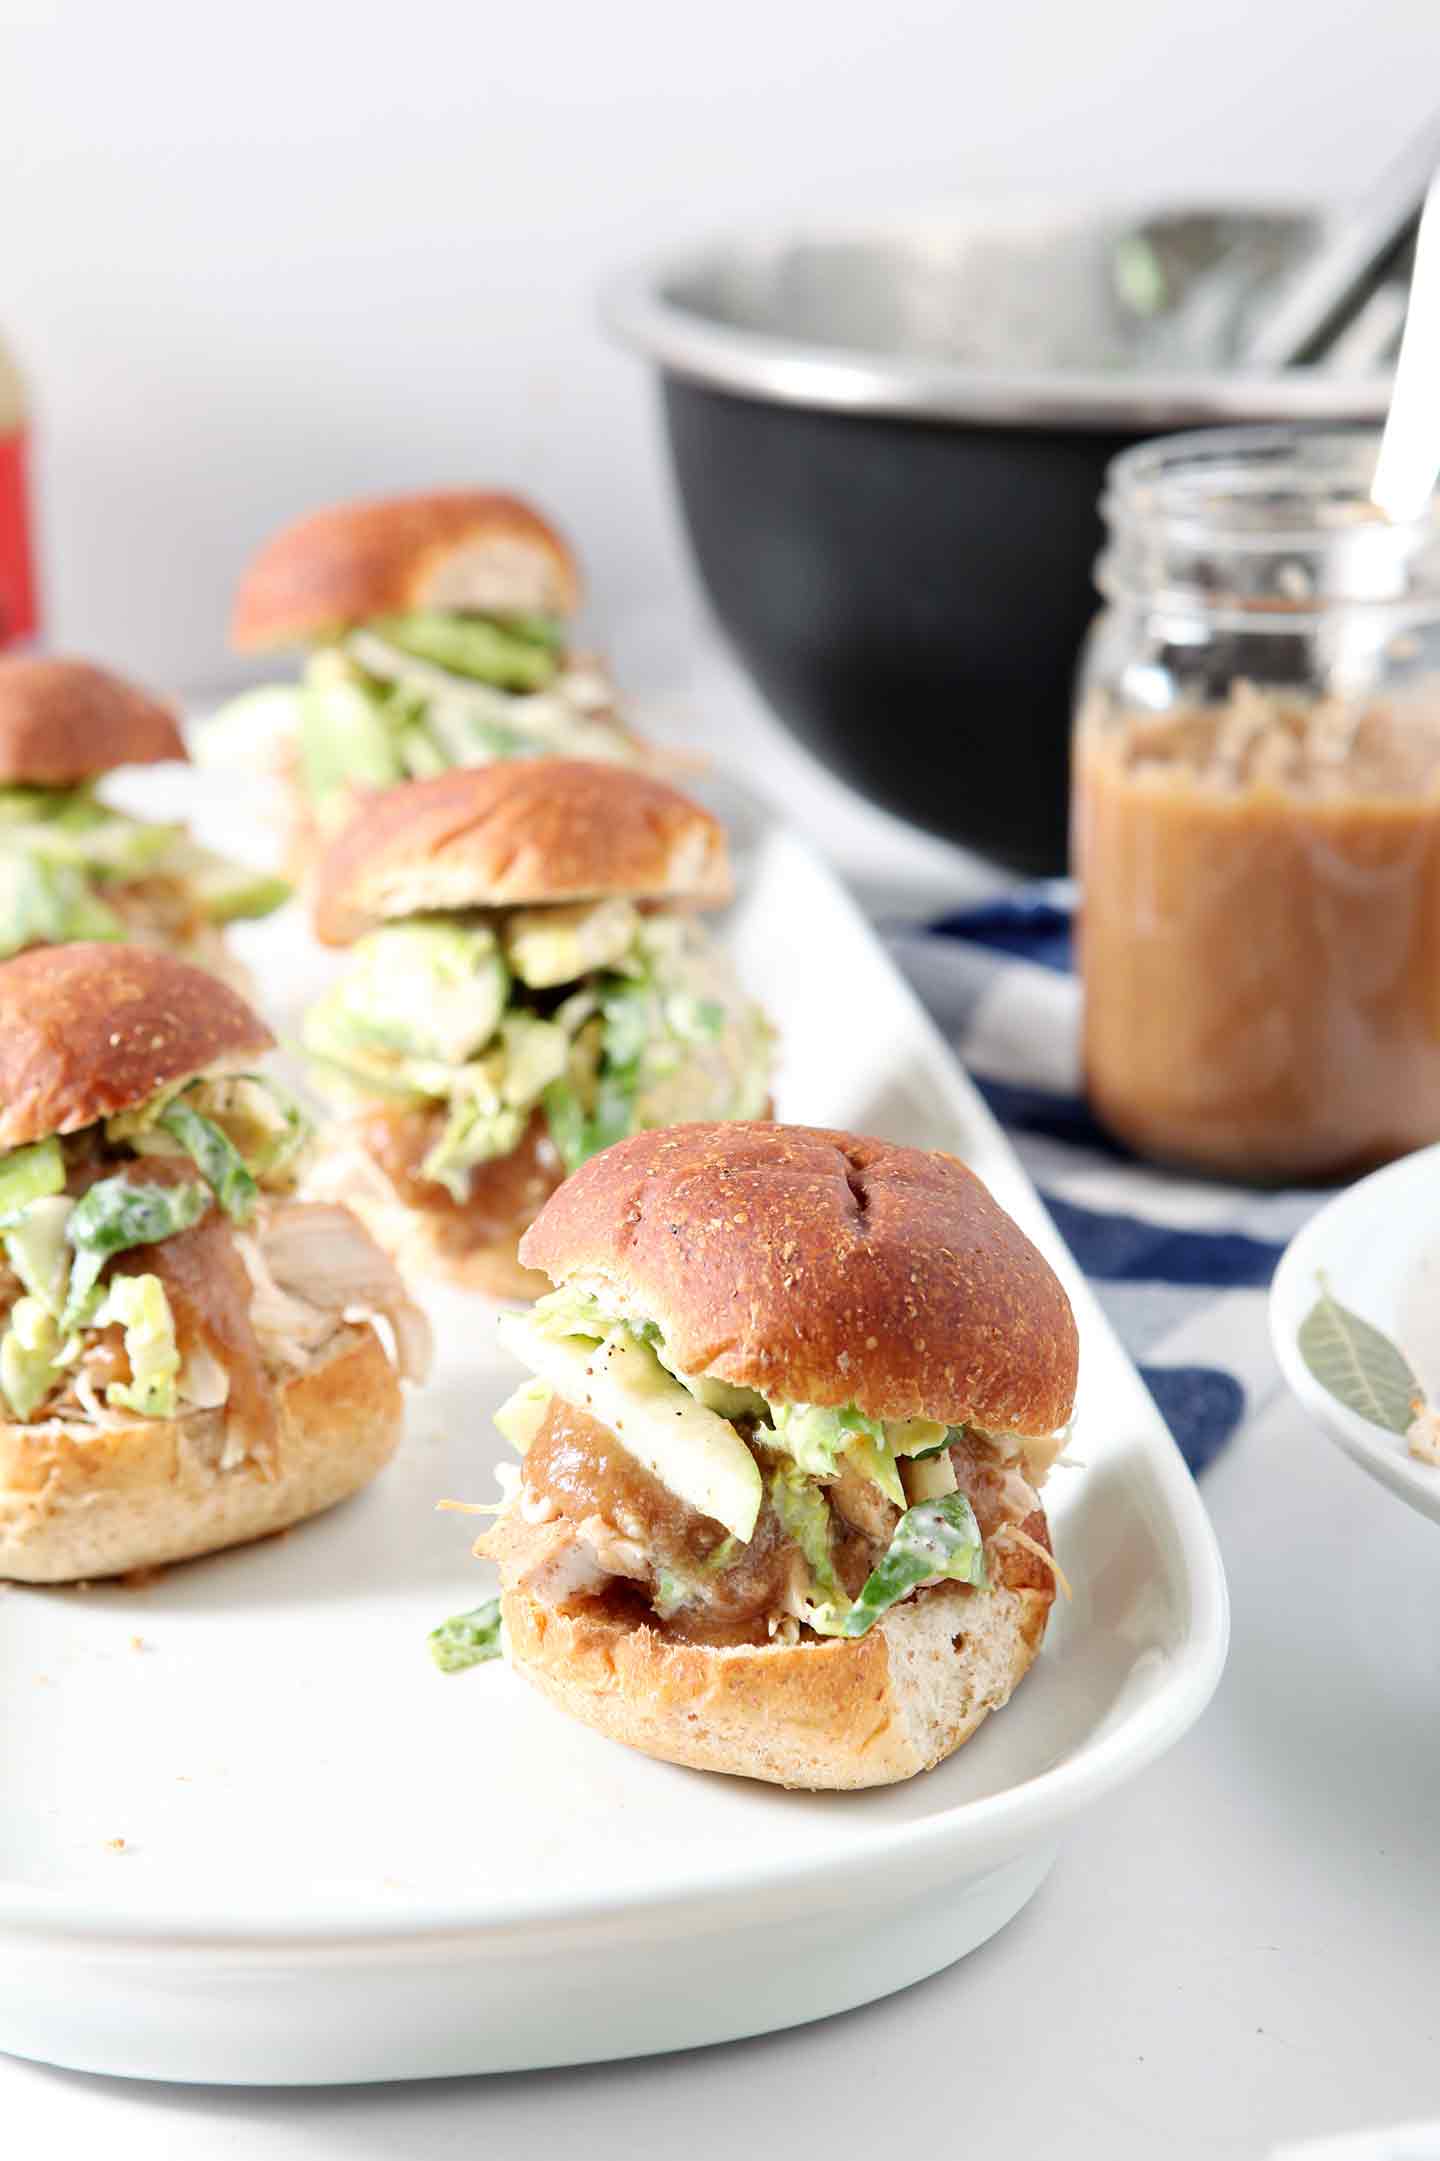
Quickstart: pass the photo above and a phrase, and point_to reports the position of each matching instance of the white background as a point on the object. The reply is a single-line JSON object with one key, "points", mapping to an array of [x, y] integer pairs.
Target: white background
{"points": [[258, 257]]}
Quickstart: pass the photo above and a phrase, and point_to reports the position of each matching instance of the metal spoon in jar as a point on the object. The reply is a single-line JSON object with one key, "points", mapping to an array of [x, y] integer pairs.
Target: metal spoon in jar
{"points": [[1377, 550], [1409, 460]]}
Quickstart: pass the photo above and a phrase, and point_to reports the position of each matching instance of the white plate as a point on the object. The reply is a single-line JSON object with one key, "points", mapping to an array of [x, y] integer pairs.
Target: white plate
{"points": [[1378, 1247], [340, 1864]]}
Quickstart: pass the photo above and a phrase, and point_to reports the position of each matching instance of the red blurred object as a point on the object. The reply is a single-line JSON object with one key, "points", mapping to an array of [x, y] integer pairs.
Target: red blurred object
{"points": [[19, 604]]}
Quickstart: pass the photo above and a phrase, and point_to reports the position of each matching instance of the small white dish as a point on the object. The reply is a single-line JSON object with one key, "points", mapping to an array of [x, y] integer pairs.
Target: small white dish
{"points": [[340, 1864], [1378, 1247]]}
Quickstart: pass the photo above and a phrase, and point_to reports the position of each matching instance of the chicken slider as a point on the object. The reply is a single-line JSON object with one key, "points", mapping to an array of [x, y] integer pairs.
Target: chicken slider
{"points": [[70, 865], [794, 1398], [437, 629], [186, 1358], [528, 982]]}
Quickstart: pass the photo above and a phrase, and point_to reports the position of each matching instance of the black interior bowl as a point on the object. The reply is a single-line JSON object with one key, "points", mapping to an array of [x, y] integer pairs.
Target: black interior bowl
{"points": [[895, 523]]}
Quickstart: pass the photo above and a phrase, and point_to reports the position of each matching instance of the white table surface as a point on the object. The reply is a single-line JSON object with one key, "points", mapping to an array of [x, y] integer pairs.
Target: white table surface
{"points": [[1241, 1948]]}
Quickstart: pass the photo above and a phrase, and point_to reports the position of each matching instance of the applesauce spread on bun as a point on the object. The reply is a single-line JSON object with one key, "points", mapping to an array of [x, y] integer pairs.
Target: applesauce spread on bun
{"points": [[792, 1404], [528, 981], [186, 1350], [438, 635]]}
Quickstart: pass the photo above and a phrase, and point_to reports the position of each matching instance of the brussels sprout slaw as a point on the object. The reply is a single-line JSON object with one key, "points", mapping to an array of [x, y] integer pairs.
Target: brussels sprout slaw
{"points": [[404, 697], [71, 1204], [935, 1541], [114, 1217], [468, 1639], [71, 867], [600, 1018], [139, 1306], [848, 1560]]}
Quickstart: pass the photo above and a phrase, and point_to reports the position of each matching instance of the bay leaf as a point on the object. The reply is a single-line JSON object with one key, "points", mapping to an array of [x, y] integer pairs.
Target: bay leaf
{"points": [[1357, 1364]]}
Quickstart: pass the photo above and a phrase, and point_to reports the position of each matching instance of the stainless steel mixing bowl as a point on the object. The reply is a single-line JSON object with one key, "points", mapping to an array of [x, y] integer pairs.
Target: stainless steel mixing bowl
{"points": [[889, 444]]}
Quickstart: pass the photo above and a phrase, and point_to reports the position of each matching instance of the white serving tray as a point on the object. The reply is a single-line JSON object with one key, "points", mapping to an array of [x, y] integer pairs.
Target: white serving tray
{"points": [[340, 1864]]}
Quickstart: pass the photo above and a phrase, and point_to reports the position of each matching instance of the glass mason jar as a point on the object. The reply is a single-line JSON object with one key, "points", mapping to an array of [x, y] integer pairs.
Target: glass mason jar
{"points": [[1256, 809]]}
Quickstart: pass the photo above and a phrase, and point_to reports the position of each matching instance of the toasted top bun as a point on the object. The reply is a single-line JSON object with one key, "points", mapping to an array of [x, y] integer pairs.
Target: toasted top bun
{"points": [[87, 1030], [460, 549], [820, 1268], [514, 834], [62, 721]]}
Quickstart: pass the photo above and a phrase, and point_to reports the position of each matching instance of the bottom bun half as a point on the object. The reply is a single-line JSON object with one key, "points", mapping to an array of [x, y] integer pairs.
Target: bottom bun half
{"points": [[823, 1714], [79, 1501]]}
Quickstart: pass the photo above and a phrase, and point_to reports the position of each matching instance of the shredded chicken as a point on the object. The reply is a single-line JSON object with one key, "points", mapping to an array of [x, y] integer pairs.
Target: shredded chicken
{"points": [[616, 1554], [1423, 1436], [204, 1382], [1019, 1537], [1035, 1453], [317, 1261], [994, 1488], [84, 1394], [209, 1295], [291, 1329], [859, 1500], [557, 1565], [208, 1286], [158, 907], [342, 1167], [250, 1308]]}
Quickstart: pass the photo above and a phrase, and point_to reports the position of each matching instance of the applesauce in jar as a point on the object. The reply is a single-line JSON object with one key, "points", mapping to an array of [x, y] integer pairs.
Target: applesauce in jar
{"points": [[1256, 799]]}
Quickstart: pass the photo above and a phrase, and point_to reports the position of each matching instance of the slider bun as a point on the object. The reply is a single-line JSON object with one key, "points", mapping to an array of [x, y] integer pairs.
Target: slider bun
{"points": [[835, 1714], [64, 721], [78, 1501], [87, 1030], [522, 832], [819, 1267], [461, 549]]}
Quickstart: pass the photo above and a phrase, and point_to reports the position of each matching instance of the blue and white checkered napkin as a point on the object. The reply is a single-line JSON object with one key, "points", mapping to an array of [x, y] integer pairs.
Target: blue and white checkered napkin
{"points": [[1181, 1266]]}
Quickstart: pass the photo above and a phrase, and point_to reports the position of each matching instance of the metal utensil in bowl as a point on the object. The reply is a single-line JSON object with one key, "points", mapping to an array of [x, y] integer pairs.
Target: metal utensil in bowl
{"points": [[889, 444], [1358, 249]]}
